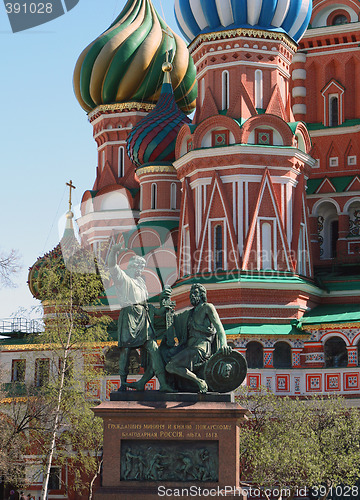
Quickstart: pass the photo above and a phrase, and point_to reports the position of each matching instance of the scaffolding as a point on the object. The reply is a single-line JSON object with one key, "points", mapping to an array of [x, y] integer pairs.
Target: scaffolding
{"points": [[9, 326]]}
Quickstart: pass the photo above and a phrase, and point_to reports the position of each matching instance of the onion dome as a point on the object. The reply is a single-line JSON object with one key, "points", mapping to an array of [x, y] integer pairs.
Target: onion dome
{"points": [[53, 260], [51, 274], [204, 16], [124, 63], [154, 137]]}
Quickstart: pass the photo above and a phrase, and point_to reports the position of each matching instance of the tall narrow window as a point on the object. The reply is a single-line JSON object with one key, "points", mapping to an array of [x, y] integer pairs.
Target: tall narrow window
{"points": [[55, 478], [42, 368], [218, 248], [258, 88], [225, 90], [334, 111], [266, 243], [103, 159], [173, 196], [141, 198], [153, 196], [121, 162], [18, 370], [202, 90], [187, 252]]}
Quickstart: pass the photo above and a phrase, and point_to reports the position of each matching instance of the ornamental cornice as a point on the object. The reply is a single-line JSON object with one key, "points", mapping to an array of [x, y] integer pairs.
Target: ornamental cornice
{"points": [[247, 32], [151, 169], [329, 326], [121, 106], [43, 347], [14, 400]]}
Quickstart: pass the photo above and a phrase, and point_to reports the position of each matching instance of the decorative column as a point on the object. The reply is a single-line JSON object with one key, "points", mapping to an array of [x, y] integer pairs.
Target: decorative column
{"points": [[299, 89], [352, 356], [268, 357], [314, 355], [295, 357]]}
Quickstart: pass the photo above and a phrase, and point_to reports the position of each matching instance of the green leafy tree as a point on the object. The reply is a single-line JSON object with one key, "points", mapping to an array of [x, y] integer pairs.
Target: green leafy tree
{"points": [[20, 416], [289, 444], [73, 332]]}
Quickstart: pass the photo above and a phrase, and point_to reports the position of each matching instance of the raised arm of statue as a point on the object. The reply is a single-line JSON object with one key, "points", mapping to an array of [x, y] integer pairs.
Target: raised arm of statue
{"points": [[114, 251], [221, 335]]}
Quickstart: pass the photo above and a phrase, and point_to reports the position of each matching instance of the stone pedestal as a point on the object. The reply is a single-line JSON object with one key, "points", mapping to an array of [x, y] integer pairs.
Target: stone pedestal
{"points": [[160, 445]]}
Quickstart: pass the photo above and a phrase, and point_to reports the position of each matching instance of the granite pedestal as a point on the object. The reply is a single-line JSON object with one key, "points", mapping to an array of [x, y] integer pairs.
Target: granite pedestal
{"points": [[165, 445]]}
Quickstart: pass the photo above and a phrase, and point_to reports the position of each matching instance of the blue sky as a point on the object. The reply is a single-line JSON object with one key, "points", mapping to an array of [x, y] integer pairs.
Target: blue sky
{"points": [[45, 136]]}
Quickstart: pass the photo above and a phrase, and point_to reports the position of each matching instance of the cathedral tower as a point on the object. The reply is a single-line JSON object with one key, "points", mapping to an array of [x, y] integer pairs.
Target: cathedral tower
{"points": [[244, 162]]}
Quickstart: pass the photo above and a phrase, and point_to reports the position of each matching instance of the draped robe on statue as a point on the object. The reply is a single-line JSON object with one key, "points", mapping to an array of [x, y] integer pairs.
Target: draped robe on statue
{"points": [[133, 324]]}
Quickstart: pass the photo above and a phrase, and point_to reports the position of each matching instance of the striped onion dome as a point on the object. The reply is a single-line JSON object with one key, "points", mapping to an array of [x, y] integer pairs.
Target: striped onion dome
{"points": [[124, 63], [203, 16], [154, 137]]}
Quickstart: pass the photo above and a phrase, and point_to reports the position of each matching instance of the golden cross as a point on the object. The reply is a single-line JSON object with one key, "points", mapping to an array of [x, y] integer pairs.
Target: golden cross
{"points": [[170, 35], [71, 186], [167, 32]]}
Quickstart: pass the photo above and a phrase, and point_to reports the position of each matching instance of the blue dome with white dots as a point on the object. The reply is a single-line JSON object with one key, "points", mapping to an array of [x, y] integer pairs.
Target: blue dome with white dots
{"points": [[204, 16]]}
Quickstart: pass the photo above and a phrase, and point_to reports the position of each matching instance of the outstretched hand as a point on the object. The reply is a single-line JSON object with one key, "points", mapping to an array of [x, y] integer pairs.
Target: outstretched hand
{"points": [[114, 251]]}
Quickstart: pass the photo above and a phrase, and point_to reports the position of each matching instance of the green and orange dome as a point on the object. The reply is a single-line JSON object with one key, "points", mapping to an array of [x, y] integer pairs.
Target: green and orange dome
{"points": [[124, 63]]}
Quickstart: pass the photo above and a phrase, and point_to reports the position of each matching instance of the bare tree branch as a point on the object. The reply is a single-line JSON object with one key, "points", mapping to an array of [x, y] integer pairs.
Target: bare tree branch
{"points": [[9, 266]]}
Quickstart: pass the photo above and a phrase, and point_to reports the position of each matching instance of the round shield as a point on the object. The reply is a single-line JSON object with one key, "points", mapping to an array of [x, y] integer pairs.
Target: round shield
{"points": [[225, 372]]}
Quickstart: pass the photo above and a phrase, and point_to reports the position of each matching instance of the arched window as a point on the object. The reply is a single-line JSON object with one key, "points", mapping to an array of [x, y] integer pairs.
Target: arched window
{"points": [[334, 111], [121, 162], [173, 196], [225, 90], [258, 88], [153, 196], [335, 353], [255, 355], [339, 19], [328, 230], [282, 355], [218, 247]]}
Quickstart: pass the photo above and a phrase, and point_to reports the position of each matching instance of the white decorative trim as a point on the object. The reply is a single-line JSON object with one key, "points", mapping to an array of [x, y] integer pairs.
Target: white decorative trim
{"points": [[299, 109], [299, 74], [299, 91], [242, 149], [299, 57]]}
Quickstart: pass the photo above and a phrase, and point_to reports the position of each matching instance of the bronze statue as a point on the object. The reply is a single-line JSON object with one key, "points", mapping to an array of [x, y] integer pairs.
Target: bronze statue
{"points": [[135, 323], [200, 328], [199, 361]]}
